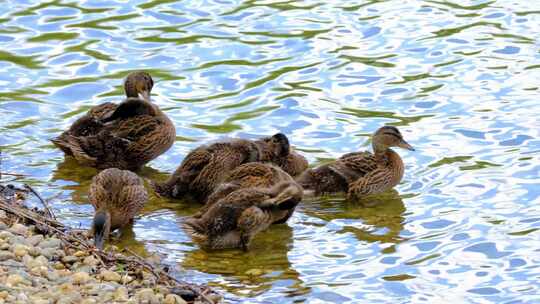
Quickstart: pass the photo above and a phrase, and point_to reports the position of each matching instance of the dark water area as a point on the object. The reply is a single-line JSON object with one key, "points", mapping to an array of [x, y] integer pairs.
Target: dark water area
{"points": [[460, 79]]}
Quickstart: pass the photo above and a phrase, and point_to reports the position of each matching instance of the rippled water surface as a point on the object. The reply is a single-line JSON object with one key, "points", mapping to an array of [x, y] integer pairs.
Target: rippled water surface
{"points": [[460, 79]]}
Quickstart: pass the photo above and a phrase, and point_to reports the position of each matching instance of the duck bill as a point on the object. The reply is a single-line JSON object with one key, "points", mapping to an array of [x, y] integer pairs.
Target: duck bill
{"points": [[99, 240], [405, 145]]}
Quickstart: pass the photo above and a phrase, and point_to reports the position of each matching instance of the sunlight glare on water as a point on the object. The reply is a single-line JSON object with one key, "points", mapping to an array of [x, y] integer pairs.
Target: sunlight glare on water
{"points": [[460, 79]]}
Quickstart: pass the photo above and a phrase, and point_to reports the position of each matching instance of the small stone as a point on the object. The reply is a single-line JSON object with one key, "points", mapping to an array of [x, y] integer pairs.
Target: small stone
{"points": [[126, 279], [215, 298], [50, 243], [19, 250], [3, 226], [91, 261], [89, 301], [80, 253], [3, 294], [70, 259], [173, 299], [34, 240], [5, 235], [34, 251], [121, 294], [70, 298], [6, 255], [110, 276], [39, 271], [3, 214], [14, 280], [4, 246], [23, 298], [80, 278], [19, 229], [146, 295], [47, 252], [40, 301], [59, 266]]}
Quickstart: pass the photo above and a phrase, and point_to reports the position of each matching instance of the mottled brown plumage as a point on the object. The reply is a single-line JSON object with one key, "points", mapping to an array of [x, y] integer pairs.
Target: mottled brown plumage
{"points": [[234, 220], [361, 173], [204, 168], [125, 136], [117, 196], [294, 164], [255, 174]]}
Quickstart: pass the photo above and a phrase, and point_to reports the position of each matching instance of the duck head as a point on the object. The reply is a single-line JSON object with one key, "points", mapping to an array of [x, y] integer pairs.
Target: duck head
{"points": [[138, 84], [389, 136], [276, 146], [101, 227]]}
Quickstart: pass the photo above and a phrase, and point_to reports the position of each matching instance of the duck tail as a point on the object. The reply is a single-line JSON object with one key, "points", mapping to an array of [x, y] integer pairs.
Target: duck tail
{"points": [[72, 146]]}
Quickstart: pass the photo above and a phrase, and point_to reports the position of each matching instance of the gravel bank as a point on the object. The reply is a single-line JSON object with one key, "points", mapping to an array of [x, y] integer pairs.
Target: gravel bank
{"points": [[40, 265]]}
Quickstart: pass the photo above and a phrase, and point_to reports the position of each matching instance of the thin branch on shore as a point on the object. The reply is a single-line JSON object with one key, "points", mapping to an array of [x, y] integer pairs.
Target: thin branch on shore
{"points": [[77, 239], [44, 202]]}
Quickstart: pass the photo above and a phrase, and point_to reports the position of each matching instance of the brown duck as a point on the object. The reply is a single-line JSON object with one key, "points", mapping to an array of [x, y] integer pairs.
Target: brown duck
{"points": [[126, 135], [234, 220], [256, 174], [204, 168], [117, 196], [361, 173]]}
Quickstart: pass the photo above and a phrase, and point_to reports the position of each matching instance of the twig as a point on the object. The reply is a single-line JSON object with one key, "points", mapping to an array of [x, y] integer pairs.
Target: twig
{"points": [[13, 174], [45, 204]]}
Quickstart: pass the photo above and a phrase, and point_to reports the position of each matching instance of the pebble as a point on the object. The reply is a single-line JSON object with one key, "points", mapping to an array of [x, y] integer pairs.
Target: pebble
{"points": [[19, 229], [34, 240], [121, 294], [6, 255], [80, 278], [5, 235], [14, 280], [70, 259], [146, 296], [90, 261], [50, 243], [19, 250], [3, 226], [110, 276], [173, 299]]}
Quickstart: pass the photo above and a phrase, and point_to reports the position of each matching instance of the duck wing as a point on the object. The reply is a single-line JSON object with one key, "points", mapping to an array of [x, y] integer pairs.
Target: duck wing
{"points": [[352, 166]]}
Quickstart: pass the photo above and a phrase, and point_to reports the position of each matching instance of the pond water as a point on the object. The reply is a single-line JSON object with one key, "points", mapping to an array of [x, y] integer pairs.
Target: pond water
{"points": [[460, 79]]}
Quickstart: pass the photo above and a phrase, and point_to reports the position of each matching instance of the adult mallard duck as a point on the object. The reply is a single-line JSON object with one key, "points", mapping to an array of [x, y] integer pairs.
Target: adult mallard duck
{"points": [[234, 220], [361, 173], [126, 135], [205, 167], [248, 175], [117, 196]]}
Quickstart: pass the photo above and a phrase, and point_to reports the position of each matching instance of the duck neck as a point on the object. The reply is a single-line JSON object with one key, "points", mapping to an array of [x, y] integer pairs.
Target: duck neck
{"points": [[392, 161]]}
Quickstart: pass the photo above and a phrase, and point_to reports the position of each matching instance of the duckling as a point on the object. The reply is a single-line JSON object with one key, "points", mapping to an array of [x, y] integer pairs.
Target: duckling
{"points": [[234, 220], [117, 196], [294, 164], [361, 173], [125, 136], [248, 175], [204, 168]]}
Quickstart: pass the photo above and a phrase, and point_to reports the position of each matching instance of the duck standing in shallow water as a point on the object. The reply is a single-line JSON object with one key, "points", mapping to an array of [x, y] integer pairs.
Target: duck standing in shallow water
{"points": [[234, 220], [361, 173], [117, 196], [204, 168], [256, 174], [126, 135]]}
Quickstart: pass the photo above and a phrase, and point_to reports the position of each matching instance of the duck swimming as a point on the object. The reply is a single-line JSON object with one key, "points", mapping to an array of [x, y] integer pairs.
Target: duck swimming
{"points": [[361, 173], [126, 135], [117, 196], [235, 219], [204, 168], [248, 175]]}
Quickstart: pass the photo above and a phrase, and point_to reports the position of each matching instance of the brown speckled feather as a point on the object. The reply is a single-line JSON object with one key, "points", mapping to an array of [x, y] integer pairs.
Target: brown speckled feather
{"points": [[120, 192], [204, 168], [127, 141], [235, 219]]}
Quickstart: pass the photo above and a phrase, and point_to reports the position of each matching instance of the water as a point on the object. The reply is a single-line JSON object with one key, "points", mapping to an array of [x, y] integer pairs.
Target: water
{"points": [[460, 79]]}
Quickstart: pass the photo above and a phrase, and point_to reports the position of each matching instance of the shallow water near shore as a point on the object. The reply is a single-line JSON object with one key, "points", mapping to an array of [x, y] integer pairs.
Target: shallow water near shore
{"points": [[460, 79]]}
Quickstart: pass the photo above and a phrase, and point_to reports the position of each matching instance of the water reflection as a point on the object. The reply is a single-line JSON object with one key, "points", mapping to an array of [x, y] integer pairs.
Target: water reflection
{"points": [[377, 218], [264, 266]]}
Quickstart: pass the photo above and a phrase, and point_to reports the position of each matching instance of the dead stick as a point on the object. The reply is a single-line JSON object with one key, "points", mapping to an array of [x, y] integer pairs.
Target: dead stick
{"points": [[13, 174], [49, 211]]}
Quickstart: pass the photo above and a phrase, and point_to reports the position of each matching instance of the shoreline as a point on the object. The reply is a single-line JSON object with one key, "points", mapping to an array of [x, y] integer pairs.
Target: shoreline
{"points": [[43, 261]]}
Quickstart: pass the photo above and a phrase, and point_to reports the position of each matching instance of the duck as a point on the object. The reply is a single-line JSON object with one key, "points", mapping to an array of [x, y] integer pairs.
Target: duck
{"points": [[126, 135], [117, 196], [294, 164], [204, 168], [360, 174], [234, 220], [254, 174]]}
